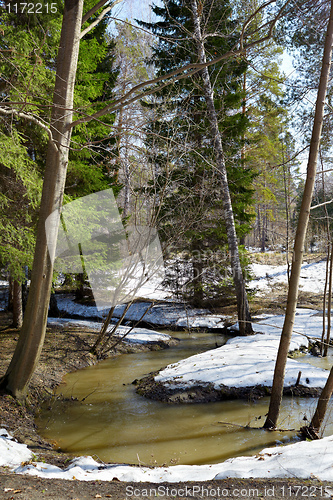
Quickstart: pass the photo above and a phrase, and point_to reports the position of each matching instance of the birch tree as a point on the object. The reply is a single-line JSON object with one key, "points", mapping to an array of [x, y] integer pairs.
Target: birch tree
{"points": [[32, 335], [243, 309]]}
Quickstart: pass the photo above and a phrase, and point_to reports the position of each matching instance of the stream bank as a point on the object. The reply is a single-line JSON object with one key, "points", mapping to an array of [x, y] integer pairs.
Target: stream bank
{"points": [[66, 349], [207, 393]]}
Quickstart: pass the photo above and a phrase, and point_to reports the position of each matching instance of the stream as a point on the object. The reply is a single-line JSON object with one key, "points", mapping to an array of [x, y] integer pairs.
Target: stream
{"points": [[104, 417]]}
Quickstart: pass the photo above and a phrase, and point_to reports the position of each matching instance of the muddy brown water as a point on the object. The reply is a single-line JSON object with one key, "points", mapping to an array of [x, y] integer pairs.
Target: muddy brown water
{"points": [[110, 421]]}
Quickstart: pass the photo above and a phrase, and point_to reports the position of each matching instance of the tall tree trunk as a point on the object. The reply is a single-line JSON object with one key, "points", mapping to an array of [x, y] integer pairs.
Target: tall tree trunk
{"points": [[32, 334], [280, 366], [17, 305], [244, 317]]}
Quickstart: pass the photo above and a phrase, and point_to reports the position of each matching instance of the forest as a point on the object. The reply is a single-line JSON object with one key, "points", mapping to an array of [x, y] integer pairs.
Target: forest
{"points": [[175, 151]]}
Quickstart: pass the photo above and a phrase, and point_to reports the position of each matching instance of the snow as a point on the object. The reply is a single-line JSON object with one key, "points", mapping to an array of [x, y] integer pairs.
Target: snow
{"points": [[159, 315], [250, 361], [312, 277], [242, 361], [304, 460], [11, 452], [136, 336]]}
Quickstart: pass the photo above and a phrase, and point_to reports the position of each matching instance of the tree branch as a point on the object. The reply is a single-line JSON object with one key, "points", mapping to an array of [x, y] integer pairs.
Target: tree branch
{"points": [[252, 16], [100, 17], [92, 11], [173, 76], [31, 118], [321, 204]]}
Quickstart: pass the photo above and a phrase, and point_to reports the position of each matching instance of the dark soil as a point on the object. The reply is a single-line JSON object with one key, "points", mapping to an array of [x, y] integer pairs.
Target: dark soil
{"points": [[16, 487], [207, 393]]}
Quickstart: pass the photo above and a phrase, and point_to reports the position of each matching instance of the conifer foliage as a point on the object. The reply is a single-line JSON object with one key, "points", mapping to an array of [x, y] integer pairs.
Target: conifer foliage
{"points": [[180, 145]]}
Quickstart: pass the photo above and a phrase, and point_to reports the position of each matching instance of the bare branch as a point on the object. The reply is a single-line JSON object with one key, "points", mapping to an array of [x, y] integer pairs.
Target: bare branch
{"points": [[177, 74], [173, 76], [325, 171], [92, 11], [252, 16], [100, 17], [32, 118], [321, 204]]}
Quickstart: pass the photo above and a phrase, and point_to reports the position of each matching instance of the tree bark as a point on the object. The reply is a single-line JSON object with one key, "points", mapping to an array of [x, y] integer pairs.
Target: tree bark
{"points": [[243, 310], [329, 305], [17, 305], [10, 294], [313, 429], [279, 373], [32, 334]]}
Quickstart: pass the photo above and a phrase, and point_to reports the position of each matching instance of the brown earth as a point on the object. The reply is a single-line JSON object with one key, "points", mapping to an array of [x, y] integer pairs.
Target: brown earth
{"points": [[65, 350]]}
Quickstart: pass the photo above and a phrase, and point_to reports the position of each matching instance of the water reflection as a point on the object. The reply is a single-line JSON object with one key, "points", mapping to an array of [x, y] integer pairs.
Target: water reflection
{"points": [[111, 421]]}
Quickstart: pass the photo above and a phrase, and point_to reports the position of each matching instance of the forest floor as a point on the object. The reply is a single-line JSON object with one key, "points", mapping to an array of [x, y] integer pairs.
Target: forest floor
{"points": [[67, 349]]}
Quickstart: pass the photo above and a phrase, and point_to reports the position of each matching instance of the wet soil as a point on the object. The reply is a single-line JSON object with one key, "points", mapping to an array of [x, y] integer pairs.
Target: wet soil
{"points": [[66, 349], [206, 393]]}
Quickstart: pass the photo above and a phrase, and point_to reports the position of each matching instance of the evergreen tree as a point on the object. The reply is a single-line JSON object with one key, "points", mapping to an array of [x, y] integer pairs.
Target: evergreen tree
{"points": [[27, 64], [181, 148], [269, 149], [27, 54]]}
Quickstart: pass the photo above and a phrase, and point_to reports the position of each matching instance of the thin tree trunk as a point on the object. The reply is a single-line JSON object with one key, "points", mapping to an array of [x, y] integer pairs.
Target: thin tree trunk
{"points": [[312, 430], [244, 317], [322, 343], [10, 295], [280, 366], [329, 305], [198, 294], [32, 334], [329, 243], [287, 205], [17, 305]]}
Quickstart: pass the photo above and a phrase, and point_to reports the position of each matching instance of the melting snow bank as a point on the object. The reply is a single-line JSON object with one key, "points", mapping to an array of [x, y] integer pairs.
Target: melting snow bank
{"points": [[241, 368], [133, 336], [303, 460], [11, 452], [165, 315]]}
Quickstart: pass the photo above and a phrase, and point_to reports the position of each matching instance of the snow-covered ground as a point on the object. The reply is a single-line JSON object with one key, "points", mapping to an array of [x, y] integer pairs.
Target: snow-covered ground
{"points": [[136, 335], [304, 460], [250, 361], [312, 277], [158, 315]]}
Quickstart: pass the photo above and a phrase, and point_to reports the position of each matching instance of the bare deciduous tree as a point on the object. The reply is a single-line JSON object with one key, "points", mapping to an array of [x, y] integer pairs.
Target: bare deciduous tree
{"points": [[280, 366]]}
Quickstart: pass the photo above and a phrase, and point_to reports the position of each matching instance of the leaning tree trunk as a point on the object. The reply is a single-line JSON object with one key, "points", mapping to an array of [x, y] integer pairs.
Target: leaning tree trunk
{"points": [[313, 429], [32, 334], [280, 366], [243, 310]]}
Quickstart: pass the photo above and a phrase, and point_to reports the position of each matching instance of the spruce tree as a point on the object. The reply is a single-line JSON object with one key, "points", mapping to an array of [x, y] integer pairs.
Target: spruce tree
{"points": [[190, 211], [27, 64]]}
